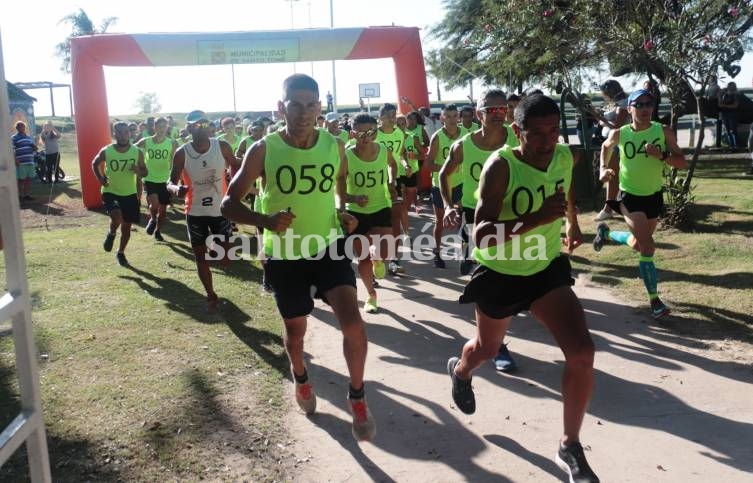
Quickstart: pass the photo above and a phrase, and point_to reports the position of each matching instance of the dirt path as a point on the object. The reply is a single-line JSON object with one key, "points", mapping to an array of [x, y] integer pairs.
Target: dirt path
{"points": [[663, 410]]}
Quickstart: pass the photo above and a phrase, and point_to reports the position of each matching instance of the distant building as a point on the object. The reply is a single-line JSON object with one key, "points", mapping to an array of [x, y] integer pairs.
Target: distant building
{"points": [[21, 108]]}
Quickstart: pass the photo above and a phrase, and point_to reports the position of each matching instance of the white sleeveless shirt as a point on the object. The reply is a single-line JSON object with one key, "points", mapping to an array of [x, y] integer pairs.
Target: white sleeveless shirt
{"points": [[204, 174]]}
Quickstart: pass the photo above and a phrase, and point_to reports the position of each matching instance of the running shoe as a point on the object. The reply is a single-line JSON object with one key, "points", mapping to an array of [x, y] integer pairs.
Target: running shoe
{"points": [[109, 240], [503, 361], [572, 460], [604, 214], [370, 306], [158, 236], [305, 397], [658, 309], [438, 262], [151, 226], [602, 235], [392, 267], [380, 270], [466, 266], [462, 391], [364, 427], [122, 261]]}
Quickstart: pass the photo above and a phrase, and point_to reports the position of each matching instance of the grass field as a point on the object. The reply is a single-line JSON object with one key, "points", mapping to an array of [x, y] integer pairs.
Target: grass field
{"points": [[139, 383]]}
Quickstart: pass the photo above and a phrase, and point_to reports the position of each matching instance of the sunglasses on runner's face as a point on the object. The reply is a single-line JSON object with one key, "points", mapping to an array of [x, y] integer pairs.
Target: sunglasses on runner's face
{"points": [[642, 105], [493, 109], [203, 124], [364, 134]]}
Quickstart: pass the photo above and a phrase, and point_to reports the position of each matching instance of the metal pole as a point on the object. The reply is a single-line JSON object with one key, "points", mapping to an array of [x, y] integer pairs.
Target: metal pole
{"points": [[334, 80], [52, 101], [70, 99]]}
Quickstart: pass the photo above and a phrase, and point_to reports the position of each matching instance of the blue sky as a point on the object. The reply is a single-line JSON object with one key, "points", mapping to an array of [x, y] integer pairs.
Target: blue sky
{"points": [[29, 37]]}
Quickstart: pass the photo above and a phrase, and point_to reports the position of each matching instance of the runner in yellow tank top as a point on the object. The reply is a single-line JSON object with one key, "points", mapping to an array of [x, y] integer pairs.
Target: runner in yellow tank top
{"points": [[644, 148], [158, 156], [505, 216], [256, 130], [290, 177], [332, 121], [491, 112], [390, 135], [371, 189], [439, 151], [118, 166]]}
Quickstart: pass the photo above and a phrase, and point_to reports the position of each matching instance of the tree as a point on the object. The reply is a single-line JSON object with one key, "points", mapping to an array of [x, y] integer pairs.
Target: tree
{"points": [[680, 43], [81, 25], [147, 103]]}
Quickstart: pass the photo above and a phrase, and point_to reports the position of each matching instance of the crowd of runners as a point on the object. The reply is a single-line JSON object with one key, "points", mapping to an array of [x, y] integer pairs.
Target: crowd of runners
{"points": [[327, 191]]}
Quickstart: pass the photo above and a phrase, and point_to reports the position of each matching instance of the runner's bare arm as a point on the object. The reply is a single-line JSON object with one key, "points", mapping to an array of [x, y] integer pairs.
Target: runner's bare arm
{"points": [[573, 235], [451, 164], [173, 186], [431, 156], [392, 175], [141, 170], [392, 168], [227, 152], [675, 156], [98, 167], [341, 187], [606, 163]]}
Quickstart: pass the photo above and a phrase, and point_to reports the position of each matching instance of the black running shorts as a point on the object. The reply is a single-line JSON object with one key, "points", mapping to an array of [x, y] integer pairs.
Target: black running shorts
{"points": [[367, 221], [128, 206], [651, 205], [292, 280], [499, 296], [200, 227], [159, 189]]}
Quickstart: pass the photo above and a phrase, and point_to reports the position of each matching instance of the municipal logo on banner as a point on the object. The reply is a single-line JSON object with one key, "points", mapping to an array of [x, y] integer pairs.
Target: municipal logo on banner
{"points": [[248, 51]]}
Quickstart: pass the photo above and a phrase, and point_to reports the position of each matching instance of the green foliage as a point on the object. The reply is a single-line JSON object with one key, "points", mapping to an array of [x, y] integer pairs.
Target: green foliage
{"points": [[556, 42], [81, 25], [677, 202], [519, 42], [147, 103]]}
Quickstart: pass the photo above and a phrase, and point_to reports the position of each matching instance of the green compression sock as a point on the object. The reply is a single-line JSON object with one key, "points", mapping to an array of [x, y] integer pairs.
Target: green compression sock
{"points": [[648, 273], [621, 237]]}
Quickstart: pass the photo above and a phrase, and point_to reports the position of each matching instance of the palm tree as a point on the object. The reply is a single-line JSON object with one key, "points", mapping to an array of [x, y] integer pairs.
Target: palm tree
{"points": [[81, 25]]}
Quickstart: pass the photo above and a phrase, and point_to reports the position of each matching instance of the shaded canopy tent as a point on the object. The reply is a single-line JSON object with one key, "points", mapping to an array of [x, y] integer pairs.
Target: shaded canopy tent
{"points": [[50, 86], [90, 54], [20, 108]]}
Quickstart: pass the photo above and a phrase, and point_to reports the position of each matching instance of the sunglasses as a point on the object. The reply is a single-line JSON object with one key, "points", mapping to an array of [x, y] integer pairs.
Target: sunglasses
{"points": [[493, 109], [642, 105], [203, 124], [364, 134]]}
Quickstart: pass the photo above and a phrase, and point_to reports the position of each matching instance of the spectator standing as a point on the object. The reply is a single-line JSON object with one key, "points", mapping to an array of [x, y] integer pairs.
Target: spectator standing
{"points": [[330, 102], [49, 138], [728, 104], [23, 151]]}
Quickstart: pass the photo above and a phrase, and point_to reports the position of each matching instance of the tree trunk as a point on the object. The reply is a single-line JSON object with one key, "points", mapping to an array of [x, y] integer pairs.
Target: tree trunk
{"points": [[697, 149]]}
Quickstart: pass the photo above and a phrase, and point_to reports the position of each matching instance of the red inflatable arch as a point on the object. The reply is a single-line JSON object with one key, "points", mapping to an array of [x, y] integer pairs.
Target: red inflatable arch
{"points": [[91, 53]]}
